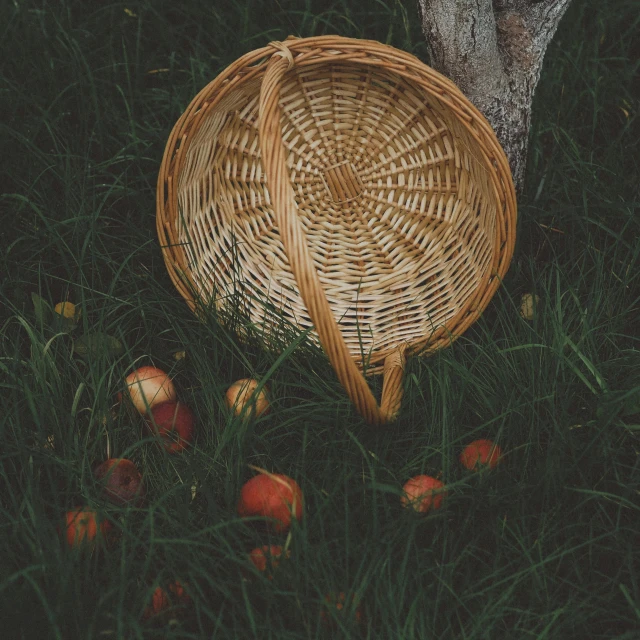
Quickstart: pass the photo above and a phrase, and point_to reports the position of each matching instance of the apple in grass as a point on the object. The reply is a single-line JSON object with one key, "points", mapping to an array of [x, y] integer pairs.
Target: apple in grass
{"points": [[164, 599], [481, 454], [83, 526], [271, 495], [267, 556], [149, 386], [423, 493], [174, 423], [242, 393], [121, 481]]}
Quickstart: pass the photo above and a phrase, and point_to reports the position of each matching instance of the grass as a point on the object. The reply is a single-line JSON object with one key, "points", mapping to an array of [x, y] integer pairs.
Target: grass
{"points": [[545, 547]]}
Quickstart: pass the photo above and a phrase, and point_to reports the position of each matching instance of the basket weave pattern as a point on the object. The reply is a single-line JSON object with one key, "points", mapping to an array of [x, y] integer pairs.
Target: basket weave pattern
{"points": [[354, 188]]}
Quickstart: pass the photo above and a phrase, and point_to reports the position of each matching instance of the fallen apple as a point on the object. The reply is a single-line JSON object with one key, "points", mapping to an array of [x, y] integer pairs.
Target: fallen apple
{"points": [[164, 599], [82, 526], [273, 496], [481, 453], [149, 386], [174, 423], [423, 493], [267, 555], [242, 393], [121, 481]]}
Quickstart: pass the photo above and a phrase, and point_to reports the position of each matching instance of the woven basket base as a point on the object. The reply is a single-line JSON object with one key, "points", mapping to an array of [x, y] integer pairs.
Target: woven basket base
{"points": [[398, 211]]}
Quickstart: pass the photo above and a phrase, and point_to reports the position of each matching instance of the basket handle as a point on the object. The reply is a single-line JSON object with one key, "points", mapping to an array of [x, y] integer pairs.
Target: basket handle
{"points": [[297, 250]]}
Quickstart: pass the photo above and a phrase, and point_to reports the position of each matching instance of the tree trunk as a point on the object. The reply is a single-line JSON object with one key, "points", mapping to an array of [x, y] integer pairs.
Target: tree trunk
{"points": [[493, 51]]}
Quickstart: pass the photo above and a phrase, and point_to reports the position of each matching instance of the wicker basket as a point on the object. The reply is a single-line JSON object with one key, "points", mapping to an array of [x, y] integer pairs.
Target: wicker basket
{"points": [[359, 193]]}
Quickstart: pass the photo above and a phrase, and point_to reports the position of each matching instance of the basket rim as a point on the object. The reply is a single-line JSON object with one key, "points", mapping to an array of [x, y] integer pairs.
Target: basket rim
{"points": [[332, 49]]}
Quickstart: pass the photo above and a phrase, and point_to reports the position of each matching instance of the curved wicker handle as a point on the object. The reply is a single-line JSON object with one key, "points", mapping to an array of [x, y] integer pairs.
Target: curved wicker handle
{"points": [[296, 247]]}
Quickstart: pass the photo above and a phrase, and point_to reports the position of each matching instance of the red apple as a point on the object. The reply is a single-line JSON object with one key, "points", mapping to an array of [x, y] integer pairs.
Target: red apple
{"points": [[267, 555], [423, 493], [82, 527], [272, 496], [242, 393], [149, 386], [481, 453], [164, 599], [174, 423], [122, 482]]}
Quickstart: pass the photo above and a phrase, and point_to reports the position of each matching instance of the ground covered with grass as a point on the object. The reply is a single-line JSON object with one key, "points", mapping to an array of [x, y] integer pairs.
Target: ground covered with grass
{"points": [[544, 546]]}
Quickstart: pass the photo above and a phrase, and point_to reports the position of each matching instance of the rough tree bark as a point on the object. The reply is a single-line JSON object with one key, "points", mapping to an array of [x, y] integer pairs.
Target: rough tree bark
{"points": [[493, 51]]}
